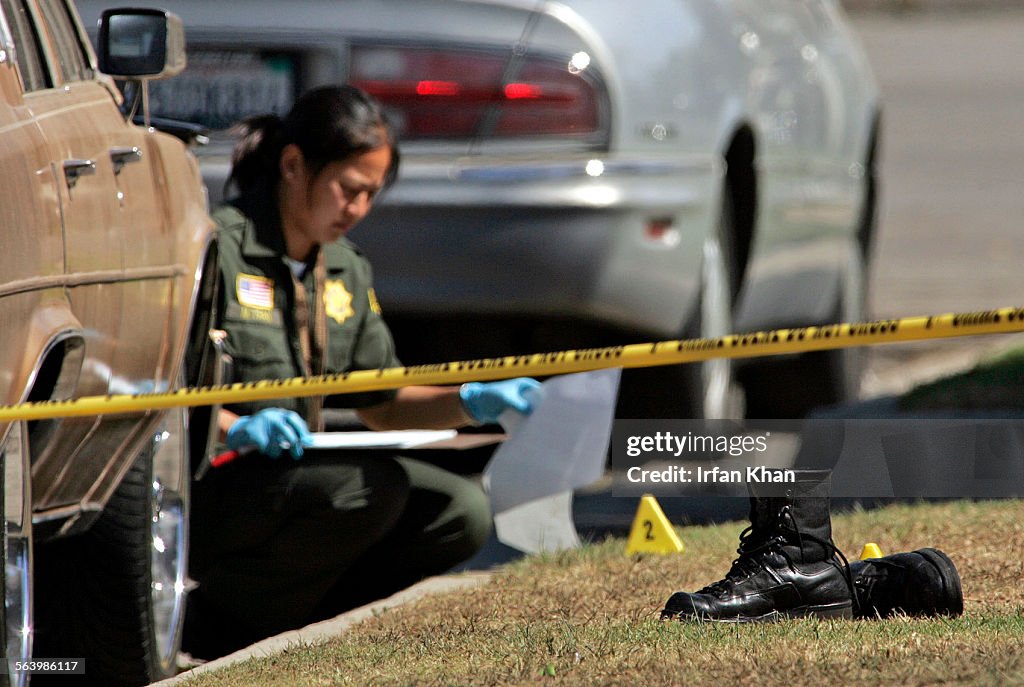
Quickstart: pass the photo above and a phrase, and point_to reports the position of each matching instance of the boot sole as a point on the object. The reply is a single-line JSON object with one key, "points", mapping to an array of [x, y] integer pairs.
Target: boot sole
{"points": [[950, 581], [841, 611]]}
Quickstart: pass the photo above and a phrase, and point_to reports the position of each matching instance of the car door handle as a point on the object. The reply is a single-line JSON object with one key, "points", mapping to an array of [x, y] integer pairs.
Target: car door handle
{"points": [[75, 168], [121, 156]]}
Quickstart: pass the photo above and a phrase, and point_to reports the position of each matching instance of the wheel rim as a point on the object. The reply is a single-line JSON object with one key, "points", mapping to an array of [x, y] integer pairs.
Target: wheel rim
{"points": [[169, 552], [719, 393], [18, 546]]}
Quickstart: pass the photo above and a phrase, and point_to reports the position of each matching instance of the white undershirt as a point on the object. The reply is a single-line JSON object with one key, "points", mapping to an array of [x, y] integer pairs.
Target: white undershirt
{"points": [[297, 267]]}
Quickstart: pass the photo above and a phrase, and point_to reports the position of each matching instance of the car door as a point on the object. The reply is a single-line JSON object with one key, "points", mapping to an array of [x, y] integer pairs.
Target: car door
{"points": [[118, 268], [32, 256], [71, 115], [128, 199], [799, 110]]}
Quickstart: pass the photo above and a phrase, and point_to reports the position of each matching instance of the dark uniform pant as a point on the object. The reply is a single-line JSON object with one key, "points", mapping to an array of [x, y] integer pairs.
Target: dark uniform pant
{"points": [[277, 544]]}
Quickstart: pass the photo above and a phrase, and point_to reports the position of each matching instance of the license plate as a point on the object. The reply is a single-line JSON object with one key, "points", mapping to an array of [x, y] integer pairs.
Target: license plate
{"points": [[221, 87]]}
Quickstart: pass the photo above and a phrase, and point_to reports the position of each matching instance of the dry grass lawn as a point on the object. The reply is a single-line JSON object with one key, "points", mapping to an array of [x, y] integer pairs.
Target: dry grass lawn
{"points": [[589, 617]]}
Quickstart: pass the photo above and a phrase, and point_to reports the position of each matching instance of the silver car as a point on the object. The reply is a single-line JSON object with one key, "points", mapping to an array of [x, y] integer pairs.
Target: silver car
{"points": [[587, 172]]}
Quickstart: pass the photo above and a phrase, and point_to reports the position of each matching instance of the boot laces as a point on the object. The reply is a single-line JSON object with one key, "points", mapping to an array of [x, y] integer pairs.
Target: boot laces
{"points": [[753, 544], [748, 562]]}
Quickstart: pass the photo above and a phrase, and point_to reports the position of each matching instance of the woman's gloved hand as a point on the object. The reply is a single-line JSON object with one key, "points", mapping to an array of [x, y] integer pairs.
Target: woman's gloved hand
{"points": [[271, 431], [484, 402]]}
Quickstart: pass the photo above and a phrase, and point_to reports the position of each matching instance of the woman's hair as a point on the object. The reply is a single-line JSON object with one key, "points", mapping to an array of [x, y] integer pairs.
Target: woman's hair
{"points": [[328, 124]]}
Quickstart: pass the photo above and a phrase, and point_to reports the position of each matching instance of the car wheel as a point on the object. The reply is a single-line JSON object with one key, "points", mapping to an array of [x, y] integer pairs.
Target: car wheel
{"points": [[118, 590], [169, 509], [706, 390], [17, 551]]}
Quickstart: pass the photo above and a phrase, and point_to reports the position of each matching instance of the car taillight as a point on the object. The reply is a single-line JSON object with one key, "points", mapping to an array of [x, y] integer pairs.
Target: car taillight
{"points": [[435, 93]]}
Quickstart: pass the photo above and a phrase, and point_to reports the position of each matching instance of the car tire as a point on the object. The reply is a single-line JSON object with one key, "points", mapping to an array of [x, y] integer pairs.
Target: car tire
{"points": [[17, 554], [705, 390], [116, 593]]}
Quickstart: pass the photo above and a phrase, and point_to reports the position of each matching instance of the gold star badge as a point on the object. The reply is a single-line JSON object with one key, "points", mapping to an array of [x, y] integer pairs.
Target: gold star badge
{"points": [[337, 301]]}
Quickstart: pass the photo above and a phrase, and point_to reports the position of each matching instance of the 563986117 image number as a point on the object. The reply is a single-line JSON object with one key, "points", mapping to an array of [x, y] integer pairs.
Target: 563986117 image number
{"points": [[45, 666]]}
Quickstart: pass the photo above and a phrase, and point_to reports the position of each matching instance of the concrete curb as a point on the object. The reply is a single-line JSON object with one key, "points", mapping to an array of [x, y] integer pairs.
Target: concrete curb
{"points": [[328, 629]]}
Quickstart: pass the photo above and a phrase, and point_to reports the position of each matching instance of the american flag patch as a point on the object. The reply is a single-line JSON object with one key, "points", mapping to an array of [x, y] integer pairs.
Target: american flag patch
{"points": [[255, 292]]}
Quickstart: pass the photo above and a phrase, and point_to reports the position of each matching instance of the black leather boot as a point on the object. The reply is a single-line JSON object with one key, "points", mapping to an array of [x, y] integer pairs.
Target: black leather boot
{"points": [[788, 566], [920, 583]]}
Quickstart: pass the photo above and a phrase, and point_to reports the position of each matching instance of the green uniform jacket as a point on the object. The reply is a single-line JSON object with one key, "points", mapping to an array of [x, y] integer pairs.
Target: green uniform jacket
{"points": [[263, 315]]}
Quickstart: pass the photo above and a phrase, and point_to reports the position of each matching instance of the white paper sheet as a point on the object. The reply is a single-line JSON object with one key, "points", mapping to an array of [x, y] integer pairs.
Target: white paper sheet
{"points": [[560, 446], [542, 525], [405, 438]]}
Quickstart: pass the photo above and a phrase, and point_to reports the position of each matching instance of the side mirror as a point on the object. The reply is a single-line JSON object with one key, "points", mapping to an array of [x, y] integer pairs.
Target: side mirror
{"points": [[137, 44]]}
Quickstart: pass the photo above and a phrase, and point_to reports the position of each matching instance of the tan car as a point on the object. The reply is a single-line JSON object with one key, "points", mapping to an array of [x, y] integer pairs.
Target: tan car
{"points": [[105, 241]]}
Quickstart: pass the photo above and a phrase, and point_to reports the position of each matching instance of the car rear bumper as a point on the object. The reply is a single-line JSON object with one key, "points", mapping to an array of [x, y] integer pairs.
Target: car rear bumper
{"points": [[570, 238], [614, 243]]}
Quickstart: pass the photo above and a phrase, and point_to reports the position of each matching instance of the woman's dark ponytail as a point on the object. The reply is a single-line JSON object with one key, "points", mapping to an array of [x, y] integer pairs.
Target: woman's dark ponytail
{"points": [[328, 124], [257, 152]]}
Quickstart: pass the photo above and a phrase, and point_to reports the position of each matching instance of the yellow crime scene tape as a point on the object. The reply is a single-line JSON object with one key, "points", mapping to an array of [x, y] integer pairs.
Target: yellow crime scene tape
{"points": [[750, 345]]}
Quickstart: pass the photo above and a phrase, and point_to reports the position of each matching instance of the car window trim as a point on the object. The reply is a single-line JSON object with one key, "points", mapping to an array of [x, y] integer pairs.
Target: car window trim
{"points": [[6, 37], [84, 44], [39, 49], [48, 43], [42, 34]]}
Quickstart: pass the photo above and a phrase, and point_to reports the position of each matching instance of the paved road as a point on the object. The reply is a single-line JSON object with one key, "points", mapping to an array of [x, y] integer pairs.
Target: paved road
{"points": [[951, 236]]}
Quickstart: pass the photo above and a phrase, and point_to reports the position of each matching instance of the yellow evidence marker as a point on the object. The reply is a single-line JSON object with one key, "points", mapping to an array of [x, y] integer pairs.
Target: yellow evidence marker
{"points": [[870, 550], [651, 531]]}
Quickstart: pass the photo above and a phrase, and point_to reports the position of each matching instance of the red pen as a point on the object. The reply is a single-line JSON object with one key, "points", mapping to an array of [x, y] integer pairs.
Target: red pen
{"points": [[228, 456], [222, 459]]}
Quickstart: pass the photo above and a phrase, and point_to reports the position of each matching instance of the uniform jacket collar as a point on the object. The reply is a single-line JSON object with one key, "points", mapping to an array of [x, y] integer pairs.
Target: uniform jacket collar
{"points": [[264, 238]]}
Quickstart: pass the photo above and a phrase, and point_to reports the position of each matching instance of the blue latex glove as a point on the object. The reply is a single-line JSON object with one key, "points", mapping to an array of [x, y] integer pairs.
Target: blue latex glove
{"points": [[486, 401], [271, 431]]}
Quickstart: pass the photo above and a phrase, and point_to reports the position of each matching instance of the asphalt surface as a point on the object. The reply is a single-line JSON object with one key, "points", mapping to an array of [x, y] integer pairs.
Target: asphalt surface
{"points": [[950, 235], [952, 166]]}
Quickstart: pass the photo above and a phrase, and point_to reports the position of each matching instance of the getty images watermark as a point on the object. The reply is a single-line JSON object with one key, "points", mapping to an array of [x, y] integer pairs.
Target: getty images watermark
{"points": [[901, 457], [690, 445]]}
